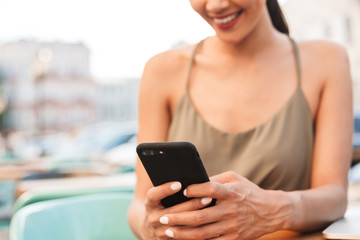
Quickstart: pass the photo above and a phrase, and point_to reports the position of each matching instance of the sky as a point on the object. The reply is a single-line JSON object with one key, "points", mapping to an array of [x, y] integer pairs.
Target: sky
{"points": [[121, 34]]}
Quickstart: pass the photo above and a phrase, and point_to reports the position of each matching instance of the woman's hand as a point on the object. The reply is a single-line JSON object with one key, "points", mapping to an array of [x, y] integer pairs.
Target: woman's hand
{"points": [[155, 225], [242, 211]]}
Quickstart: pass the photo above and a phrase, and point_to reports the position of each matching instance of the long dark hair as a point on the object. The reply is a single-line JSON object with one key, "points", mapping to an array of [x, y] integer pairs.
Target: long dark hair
{"points": [[277, 16]]}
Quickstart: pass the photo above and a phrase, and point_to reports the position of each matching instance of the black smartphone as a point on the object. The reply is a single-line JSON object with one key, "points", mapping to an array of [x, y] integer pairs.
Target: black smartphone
{"points": [[173, 161]]}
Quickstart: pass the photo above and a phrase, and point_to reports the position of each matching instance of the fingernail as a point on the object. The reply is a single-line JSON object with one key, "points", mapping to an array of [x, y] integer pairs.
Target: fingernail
{"points": [[176, 186], [164, 220], [206, 200], [169, 233], [185, 192]]}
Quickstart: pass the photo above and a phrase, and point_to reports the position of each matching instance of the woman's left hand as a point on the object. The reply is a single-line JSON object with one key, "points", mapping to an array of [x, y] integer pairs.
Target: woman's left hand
{"points": [[242, 211]]}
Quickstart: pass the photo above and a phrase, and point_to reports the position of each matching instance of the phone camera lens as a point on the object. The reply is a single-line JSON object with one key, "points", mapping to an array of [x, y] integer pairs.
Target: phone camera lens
{"points": [[148, 153], [152, 153]]}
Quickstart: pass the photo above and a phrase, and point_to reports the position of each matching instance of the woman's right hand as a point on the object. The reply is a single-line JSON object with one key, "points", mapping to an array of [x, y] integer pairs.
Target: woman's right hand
{"points": [[154, 227]]}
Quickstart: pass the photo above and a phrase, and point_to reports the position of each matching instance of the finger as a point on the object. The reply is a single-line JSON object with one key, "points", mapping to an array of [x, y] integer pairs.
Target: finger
{"points": [[226, 177], [209, 189], [193, 204], [155, 194], [216, 230], [220, 178], [161, 233], [192, 218]]}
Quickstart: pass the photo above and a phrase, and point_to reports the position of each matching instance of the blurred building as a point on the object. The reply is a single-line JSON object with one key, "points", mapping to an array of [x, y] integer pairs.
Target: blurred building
{"points": [[48, 85], [117, 99], [332, 19]]}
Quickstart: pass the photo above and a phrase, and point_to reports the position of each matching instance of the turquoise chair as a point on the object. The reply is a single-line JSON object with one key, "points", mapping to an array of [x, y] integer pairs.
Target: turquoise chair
{"points": [[34, 196], [89, 217]]}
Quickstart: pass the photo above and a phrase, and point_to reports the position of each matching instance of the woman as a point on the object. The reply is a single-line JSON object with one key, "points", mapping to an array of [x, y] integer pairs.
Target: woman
{"points": [[272, 120]]}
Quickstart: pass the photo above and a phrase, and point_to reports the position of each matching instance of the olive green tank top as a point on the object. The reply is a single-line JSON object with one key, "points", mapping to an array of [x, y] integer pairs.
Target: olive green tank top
{"points": [[274, 155]]}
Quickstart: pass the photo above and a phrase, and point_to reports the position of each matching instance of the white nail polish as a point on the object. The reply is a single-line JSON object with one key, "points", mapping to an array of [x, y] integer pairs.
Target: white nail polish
{"points": [[185, 192], [164, 220], [206, 200], [169, 233], [176, 186]]}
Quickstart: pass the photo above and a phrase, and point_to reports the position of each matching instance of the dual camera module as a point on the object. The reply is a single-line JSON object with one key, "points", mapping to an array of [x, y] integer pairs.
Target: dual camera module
{"points": [[152, 153]]}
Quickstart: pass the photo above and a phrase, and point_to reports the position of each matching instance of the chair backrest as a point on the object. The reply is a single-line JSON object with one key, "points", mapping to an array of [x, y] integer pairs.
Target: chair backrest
{"points": [[90, 217], [34, 196]]}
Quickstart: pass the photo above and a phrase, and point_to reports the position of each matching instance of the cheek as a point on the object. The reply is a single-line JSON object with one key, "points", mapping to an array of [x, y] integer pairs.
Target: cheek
{"points": [[194, 4], [255, 11], [198, 6], [255, 3]]}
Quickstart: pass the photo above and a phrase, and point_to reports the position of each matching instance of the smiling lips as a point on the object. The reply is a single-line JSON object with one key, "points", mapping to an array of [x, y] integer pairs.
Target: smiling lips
{"points": [[227, 21]]}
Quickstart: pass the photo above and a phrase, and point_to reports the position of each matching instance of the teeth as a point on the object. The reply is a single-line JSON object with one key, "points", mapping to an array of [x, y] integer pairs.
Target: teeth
{"points": [[225, 20]]}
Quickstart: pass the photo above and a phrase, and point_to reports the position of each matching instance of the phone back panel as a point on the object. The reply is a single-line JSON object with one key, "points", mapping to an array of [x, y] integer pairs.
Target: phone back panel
{"points": [[172, 161]]}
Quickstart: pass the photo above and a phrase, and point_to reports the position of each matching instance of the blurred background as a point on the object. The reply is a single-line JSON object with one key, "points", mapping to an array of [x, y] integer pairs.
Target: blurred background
{"points": [[70, 72]]}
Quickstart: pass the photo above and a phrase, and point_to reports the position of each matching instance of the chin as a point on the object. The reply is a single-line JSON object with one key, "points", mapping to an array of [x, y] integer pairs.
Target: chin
{"points": [[231, 38]]}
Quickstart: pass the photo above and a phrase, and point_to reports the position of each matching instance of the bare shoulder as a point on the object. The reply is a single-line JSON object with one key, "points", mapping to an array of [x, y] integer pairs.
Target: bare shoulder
{"points": [[323, 47], [325, 52], [167, 67], [329, 60]]}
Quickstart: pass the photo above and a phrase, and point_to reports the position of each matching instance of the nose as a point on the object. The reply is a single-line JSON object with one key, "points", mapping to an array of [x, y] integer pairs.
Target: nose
{"points": [[217, 6]]}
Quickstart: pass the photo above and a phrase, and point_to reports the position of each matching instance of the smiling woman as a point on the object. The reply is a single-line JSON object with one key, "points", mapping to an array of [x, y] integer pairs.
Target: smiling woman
{"points": [[271, 118]]}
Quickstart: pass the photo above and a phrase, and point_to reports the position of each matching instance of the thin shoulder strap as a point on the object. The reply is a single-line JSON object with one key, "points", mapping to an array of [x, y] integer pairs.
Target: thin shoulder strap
{"points": [[192, 63], [297, 60]]}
